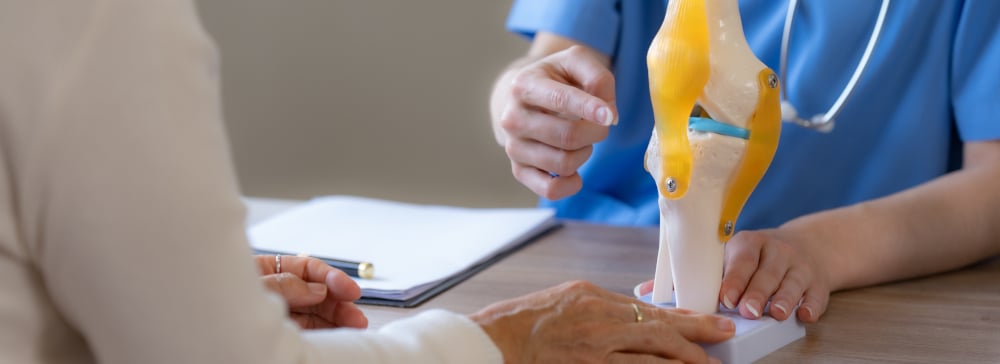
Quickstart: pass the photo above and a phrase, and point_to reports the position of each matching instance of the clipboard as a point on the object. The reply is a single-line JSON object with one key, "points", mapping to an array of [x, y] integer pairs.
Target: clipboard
{"points": [[418, 250]]}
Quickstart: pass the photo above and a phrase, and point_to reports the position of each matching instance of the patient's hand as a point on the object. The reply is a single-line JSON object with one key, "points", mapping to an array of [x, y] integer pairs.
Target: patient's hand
{"points": [[580, 322], [318, 296]]}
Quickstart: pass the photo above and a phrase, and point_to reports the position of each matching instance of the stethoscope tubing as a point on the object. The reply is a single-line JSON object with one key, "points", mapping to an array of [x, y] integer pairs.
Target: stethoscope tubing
{"points": [[825, 121]]}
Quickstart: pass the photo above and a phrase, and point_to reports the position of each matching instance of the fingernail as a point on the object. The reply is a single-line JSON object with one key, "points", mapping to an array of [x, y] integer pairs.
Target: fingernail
{"points": [[605, 116], [317, 288], [725, 324], [728, 302], [714, 360], [646, 288], [637, 291], [751, 306], [779, 307], [810, 311]]}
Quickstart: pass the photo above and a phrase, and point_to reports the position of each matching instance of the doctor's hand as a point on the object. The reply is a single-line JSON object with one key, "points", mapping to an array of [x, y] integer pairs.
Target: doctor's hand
{"points": [[318, 295], [776, 265], [548, 111], [581, 323], [781, 265]]}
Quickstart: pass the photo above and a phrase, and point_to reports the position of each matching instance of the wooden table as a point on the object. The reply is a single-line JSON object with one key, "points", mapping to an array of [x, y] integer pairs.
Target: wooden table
{"points": [[947, 318]]}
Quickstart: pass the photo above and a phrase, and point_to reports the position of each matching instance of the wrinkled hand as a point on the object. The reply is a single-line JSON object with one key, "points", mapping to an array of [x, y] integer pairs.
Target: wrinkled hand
{"points": [[770, 265], [557, 108], [318, 296], [779, 265], [580, 323]]}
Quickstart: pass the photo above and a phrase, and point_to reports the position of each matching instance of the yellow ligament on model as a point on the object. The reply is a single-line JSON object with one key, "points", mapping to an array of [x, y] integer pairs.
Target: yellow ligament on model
{"points": [[765, 129], [678, 69]]}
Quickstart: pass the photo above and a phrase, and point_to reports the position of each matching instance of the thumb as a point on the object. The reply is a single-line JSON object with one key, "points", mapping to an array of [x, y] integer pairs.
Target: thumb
{"points": [[295, 291]]}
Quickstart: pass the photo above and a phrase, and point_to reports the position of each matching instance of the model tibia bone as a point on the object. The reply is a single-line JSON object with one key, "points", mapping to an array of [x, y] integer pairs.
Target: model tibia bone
{"points": [[700, 54], [691, 256]]}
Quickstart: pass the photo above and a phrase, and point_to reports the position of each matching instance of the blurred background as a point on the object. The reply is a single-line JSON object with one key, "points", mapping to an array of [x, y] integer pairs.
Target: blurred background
{"points": [[385, 99]]}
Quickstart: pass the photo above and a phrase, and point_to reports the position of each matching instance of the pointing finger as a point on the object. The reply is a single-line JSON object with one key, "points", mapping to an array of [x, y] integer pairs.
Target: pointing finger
{"points": [[538, 90]]}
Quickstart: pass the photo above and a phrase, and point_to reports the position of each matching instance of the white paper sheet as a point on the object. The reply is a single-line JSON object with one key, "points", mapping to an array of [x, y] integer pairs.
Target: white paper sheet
{"points": [[411, 246]]}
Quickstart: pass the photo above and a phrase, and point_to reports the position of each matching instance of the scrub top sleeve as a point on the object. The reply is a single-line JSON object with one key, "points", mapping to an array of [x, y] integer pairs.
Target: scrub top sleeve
{"points": [[591, 22], [975, 75]]}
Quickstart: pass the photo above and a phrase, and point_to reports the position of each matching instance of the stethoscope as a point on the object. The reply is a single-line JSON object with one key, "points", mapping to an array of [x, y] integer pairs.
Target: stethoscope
{"points": [[824, 122]]}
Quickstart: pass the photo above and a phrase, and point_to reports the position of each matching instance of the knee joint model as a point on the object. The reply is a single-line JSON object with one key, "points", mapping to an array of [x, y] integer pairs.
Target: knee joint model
{"points": [[707, 165]]}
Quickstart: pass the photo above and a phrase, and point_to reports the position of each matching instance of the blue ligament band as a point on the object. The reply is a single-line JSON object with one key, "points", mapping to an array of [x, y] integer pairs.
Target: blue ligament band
{"points": [[711, 126]]}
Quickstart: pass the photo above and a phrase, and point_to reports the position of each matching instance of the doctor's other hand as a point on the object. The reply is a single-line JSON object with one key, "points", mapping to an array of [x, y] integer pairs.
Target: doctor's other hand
{"points": [[771, 265], [579, 322], [779, 265], [548, 113], [318, 296]]}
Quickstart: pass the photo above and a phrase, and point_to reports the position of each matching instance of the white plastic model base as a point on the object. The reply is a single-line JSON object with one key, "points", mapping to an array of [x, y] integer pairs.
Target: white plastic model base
{"points": [[754, 339]]}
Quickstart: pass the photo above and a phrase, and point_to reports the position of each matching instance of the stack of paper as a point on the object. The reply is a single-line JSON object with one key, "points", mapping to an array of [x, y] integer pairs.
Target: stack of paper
{"points": [[417, 250]]}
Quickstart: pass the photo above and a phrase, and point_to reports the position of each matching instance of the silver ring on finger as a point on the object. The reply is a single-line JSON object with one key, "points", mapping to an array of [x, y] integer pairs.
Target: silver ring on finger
{"points": [[277, 264]]}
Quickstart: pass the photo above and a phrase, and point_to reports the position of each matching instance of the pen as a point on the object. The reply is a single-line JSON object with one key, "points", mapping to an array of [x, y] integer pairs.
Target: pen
{"points": [[364, 270]]}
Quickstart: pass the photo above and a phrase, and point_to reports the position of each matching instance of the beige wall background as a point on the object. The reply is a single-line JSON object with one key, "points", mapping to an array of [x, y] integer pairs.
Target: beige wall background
{"points": [[385, 99]]}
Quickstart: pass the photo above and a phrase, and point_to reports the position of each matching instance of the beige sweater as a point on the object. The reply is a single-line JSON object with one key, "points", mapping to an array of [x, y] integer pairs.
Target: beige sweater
{"points": [[121, 227]]}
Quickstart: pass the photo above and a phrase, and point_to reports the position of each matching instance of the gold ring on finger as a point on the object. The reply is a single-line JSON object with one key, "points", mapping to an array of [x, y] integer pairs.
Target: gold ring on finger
{"points": [[638, 312]]}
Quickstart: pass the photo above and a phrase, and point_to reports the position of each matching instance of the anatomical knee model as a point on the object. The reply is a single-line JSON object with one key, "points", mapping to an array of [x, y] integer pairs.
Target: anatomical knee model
{"points": [[705, 166]]}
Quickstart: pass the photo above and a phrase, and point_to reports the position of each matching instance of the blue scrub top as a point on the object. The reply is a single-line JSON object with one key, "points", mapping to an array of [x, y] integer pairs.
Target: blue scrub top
{"points": [[932, 83]]}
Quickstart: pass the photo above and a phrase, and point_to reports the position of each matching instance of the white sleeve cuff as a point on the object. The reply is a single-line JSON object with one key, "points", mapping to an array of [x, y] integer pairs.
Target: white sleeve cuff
{"points": [[434, 336]]}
